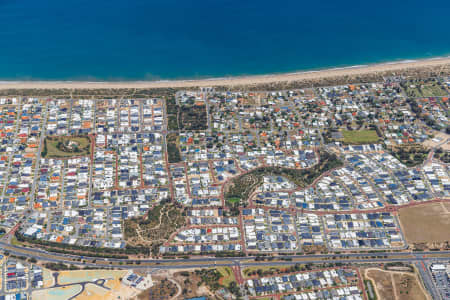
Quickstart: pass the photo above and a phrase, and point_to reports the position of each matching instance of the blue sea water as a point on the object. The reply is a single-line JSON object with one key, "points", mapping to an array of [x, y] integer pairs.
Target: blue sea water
{"points": [[176, 39]]}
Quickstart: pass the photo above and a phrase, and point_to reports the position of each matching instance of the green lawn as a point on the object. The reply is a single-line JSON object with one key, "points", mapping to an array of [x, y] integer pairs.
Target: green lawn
{"points": [[15, 242], [433, 91], [426, 90], [53, 148], [249, 270], [227, 275], [233, 200], [360, 136]]}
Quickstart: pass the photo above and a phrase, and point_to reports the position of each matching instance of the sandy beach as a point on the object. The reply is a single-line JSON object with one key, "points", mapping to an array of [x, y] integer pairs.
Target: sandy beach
{"points": [[393, 67]]}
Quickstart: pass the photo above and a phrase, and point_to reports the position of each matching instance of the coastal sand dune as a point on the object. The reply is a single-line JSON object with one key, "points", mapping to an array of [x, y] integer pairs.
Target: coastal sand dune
{"points": [[234, 81]]}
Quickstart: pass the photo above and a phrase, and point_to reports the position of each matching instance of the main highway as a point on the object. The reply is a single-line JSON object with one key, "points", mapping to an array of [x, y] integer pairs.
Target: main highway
{"points": [[197, 262]]}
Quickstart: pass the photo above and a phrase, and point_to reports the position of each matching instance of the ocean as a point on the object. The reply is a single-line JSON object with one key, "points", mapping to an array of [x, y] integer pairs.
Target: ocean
{"points": [[168, 39]]}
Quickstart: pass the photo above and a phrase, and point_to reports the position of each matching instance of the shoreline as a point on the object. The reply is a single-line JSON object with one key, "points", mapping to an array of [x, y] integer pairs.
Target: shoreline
{"points": [[356, 70]]}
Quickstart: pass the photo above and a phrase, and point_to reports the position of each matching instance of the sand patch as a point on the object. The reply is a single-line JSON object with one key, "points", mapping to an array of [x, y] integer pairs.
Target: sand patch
{"points": [[88, 275], [440, 139], [117, 291], [398, 67], [48, 279]]}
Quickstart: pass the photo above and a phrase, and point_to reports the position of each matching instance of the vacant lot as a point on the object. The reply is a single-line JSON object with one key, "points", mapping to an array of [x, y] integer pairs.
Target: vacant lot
{"points": [[206, 282], [356, 137], [192, 117], [66, 277], [443, 156], [116, 290], [446, 206], [440, 138], [410, 155], [186, 116], [430, 89], [263, 271], [173, 150], [155, 228], [165, 289], [396, 285], [66, 146], [382, 282], [408, 287], [49, 280], [191, 284], [425, 223], [227, 275], [57, 293], [172, 114]]}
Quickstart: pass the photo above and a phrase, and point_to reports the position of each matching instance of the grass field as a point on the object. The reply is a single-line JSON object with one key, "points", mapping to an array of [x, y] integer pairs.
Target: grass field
{"points": [[249, 270], [66, 146], [425, 223], [15, 242], [357, 137], [426, 90], [233, 200], [227, 275], [432, 90]]}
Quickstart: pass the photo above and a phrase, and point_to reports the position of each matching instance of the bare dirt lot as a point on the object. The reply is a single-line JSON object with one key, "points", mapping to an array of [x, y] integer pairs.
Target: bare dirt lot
{"points": [[381, 283], [439, 140], [446, 207], [408, 287], [426, 223], [396, 285], [113, 288]]}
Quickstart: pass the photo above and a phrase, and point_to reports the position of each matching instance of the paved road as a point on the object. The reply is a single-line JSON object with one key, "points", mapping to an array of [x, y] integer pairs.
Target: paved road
{"points": [[38, 157], [24, 250], [417, 258], [187, 264], [427, 280], [229, 261], [98, 282]]}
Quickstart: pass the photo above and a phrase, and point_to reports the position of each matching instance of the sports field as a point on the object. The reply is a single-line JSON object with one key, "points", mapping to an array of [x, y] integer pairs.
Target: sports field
{"points": [[426, 223], [357, 137]]}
